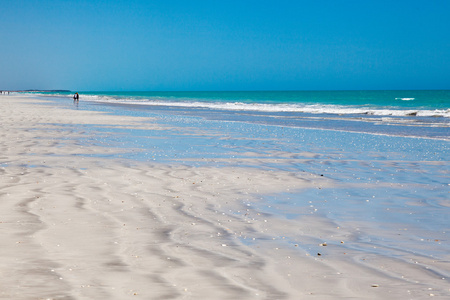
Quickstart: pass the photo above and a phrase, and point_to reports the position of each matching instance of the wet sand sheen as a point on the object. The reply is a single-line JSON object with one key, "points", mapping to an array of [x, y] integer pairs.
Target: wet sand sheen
{"points": [[76, 225]]}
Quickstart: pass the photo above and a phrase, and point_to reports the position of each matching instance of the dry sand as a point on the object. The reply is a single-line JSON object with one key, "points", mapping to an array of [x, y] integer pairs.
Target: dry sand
{"points": [[77, 226]]}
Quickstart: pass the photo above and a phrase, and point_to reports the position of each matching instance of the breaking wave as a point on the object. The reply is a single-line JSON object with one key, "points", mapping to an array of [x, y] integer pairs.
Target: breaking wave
{"points": [[273, 107], [265, 107]]}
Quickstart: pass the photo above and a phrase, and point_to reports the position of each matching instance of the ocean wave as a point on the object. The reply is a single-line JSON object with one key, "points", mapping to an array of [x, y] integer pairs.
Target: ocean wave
{"points": [[268, 107]]}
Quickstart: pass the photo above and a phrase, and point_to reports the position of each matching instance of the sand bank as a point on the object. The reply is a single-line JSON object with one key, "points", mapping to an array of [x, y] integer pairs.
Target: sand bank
{"points": [[75, 224]]}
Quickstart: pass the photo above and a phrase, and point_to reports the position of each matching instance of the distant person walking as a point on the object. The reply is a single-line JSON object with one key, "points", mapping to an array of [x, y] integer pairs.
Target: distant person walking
{"points": [[76, 97]]}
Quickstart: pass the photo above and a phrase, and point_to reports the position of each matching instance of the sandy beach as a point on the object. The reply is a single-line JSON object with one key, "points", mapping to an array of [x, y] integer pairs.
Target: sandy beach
{"points": [[78, 221]]}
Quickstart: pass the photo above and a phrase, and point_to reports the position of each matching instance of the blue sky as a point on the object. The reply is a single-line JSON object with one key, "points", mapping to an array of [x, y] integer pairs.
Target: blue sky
{"points": [[224, 45]]}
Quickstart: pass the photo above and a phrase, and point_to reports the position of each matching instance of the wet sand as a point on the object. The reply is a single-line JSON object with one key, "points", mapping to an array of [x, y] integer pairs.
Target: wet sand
{"points": [[77, 221]]}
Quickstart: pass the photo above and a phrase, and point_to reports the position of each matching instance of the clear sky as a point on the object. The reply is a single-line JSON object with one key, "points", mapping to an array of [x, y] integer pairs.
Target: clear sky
{"points": [[224, 45]]}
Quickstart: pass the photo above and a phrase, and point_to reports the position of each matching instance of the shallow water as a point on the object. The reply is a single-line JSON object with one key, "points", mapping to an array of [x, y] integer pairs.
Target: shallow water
{"points": [[393, 191]]}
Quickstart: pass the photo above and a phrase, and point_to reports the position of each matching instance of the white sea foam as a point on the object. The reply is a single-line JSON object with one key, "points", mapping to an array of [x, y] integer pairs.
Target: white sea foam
{"points": [[405, 99], [270, 107], [240, 106]]}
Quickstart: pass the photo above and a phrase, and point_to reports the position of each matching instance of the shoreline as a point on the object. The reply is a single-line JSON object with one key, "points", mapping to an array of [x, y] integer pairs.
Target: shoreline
{"points": [[76, 224], [417, 118], [386, 124]]}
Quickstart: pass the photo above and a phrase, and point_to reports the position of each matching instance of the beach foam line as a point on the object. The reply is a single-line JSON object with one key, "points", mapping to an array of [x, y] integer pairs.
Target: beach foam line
{"points": [[310, 109], [269, 107]]}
